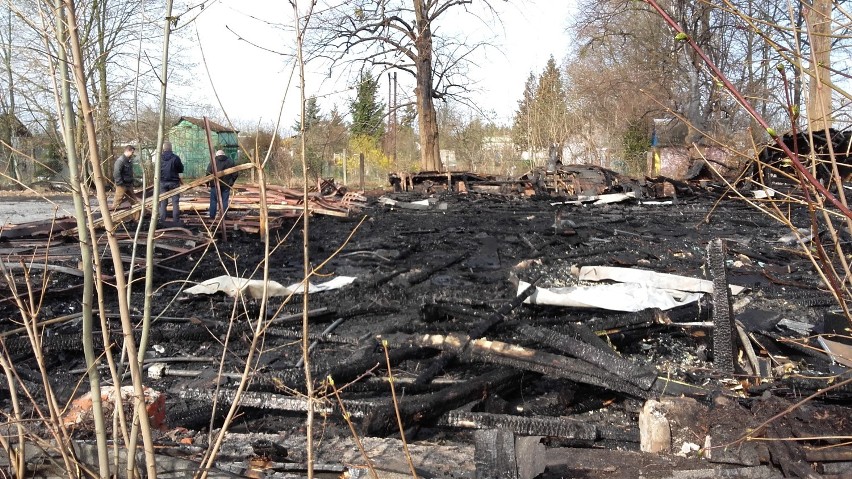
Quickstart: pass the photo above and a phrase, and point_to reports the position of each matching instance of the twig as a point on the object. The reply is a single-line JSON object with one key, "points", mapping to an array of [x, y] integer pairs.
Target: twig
{"points": [[347, 417], [396, 410]]}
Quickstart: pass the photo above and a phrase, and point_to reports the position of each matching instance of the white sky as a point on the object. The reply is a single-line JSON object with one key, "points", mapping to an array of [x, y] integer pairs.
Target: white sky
{"points": [[251, 82]]}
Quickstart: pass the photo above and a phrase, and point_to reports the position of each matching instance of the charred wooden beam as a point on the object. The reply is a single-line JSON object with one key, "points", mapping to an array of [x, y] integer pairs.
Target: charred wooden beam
{"points": [[615, 321], [828, 455], [584, 333], [642, 377], [350, 370], [496, 352], [724, 345], [528, 426], [478, 330], [426, 409], [426, 273], [671, 387], [499, 454], [268, 402], [787, 454]]}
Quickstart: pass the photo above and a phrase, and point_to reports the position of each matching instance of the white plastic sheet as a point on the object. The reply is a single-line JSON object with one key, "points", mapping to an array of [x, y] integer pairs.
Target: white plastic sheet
{"points": [[635, 290], [254, 287], [651, 278], [628, 297]]}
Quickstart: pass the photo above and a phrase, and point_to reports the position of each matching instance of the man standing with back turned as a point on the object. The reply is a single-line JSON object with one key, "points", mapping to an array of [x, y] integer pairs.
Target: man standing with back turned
{"points": [[122, 176], [170, 169], [223, 162]]}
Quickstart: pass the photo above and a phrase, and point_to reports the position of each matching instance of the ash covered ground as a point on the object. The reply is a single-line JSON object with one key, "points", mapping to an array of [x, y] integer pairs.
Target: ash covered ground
{"points": [[448, 270]]}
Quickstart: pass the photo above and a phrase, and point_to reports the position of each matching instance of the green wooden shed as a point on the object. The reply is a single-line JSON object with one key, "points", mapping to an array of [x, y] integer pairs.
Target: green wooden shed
{"points": [[189, 141]]}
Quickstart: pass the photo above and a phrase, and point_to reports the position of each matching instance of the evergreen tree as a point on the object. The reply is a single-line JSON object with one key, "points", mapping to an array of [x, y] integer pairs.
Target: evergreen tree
{"points": [[522, 127], [542, 117], [551, 107], [313, 117], [366, 109]]}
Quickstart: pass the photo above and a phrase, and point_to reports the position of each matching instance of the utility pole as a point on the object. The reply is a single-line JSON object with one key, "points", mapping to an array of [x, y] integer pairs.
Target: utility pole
{"points": [[395, 106]]}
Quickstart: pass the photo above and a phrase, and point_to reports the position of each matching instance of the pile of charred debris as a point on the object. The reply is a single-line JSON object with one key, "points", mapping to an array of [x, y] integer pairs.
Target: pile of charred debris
{"points": [[571, 323]]}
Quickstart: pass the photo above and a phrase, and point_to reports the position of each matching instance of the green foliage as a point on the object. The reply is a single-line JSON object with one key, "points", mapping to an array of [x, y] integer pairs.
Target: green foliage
{"points": [[366, 109], [51, 161], [542, 116], [312, 115], [522, 127], [635, 145], [325, 136], [377, 165]]}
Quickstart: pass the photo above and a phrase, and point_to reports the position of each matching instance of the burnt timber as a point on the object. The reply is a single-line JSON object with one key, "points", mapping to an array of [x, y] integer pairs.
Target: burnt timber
{"points": [[574, 380]]}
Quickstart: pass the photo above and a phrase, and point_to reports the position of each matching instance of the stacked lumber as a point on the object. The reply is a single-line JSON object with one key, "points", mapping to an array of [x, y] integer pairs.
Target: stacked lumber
{"points": [[283, 201]]}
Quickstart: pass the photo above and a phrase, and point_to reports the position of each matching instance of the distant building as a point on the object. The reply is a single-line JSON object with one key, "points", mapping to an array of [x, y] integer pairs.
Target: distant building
{"points": [[189, 141], [12, 128], [673, 156], [448, 159]]}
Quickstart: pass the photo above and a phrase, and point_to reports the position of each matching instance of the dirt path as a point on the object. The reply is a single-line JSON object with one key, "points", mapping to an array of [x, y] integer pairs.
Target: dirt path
{"points": [[22, 209]]}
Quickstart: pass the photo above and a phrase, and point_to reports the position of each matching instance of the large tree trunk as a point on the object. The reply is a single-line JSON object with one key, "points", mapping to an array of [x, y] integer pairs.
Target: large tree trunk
{"points": [[104, 119], [819, 99], [11, 125], [430, 152]]}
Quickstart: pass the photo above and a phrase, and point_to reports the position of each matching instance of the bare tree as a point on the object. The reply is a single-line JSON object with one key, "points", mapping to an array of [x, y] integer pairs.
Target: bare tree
{"points": [[401, 34], [819, 99]]}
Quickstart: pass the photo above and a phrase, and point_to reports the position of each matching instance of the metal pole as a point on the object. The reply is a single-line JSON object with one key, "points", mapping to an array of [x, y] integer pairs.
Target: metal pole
{"points": [[395, 106], [361, 170]]}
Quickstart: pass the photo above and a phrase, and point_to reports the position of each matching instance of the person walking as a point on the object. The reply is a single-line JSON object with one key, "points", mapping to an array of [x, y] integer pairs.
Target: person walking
{"points": [[122, 176], [170, 169], [223, 162]]}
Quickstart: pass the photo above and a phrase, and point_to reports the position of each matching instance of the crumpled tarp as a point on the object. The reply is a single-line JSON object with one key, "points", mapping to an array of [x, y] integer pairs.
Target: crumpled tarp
{"points": [[650, 278], [254, 287], [628, 297], [635, 290]]}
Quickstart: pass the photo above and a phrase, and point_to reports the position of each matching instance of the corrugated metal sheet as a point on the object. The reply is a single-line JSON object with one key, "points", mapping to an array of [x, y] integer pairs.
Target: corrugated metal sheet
{"points": [[190, 143]]}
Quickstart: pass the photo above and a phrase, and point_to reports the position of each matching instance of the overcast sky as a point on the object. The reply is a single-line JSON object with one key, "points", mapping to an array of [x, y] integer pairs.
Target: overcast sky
{"points": [[244, 44]]}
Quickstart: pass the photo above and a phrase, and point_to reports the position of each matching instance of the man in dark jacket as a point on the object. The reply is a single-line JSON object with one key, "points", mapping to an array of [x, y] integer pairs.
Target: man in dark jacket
{"points": [[223, 162], [122, 176], [170, 169]]}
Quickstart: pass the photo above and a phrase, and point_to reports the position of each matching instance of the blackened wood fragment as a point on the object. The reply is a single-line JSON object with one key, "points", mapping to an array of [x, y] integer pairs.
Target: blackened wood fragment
{"points": [[825, 455], [642, 377], [615, 321], [584, 333], [530, 426], [787, 454], [478, 330], [518, 357], [495, 454], [426, 273], [530, 456], [724, 353], [417, 410]]}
